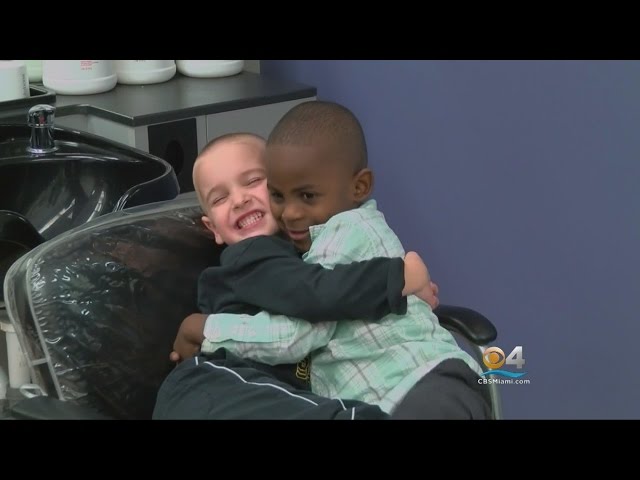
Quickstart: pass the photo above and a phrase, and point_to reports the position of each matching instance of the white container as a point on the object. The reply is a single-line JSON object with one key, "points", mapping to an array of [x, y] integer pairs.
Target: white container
{"points": [[209, 68], [34, 70], [144, 72], [79, 77], [14, 82], [18, 367]]}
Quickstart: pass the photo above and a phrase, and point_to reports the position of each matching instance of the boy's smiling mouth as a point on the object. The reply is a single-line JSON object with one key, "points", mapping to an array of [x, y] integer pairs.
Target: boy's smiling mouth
{"points": [[249, 220], [297, 235]]}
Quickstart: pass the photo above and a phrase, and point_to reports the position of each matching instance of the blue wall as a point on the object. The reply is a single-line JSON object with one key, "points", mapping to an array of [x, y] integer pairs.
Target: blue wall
{"points": [[518, 181]]}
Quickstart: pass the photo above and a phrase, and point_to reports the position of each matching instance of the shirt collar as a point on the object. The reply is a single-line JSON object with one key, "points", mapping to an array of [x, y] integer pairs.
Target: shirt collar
{"points": [[316, 230]]}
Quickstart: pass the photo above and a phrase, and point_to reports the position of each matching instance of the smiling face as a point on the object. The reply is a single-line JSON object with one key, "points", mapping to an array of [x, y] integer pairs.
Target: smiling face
{"points": [[230, 178], [309, 185]]}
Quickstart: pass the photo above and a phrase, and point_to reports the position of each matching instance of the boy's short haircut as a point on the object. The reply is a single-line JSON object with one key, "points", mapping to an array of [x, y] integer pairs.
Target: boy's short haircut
{"points": [[227, 137], [329, 121]]}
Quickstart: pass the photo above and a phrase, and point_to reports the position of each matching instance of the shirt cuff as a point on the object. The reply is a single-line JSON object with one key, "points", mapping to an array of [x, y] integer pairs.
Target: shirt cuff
{"points": [[244, 328], [395, 285]]}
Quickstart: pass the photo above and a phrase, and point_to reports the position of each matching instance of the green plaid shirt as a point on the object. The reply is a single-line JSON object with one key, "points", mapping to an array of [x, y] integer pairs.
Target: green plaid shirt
{"points": [[376, 362]]}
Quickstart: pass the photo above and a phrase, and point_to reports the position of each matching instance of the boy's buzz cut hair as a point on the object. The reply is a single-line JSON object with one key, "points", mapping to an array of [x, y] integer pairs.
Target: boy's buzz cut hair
{"points": [[227, 137], [326, 120]]}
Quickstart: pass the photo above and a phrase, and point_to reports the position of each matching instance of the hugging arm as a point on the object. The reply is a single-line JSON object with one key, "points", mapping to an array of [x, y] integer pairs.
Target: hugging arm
{"points": [[271, 278], [267, 338]]}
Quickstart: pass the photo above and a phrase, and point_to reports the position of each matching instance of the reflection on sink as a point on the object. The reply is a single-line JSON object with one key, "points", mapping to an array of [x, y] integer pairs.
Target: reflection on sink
{"points": [[86, 177], [58, 193]]}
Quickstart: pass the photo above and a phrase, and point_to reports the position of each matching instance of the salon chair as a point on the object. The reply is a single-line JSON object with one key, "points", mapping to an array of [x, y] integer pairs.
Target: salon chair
{"points": [[97, 310]]}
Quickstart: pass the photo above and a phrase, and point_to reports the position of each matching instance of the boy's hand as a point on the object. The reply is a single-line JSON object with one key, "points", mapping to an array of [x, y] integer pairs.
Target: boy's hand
{"points": [[416, 275], [189, 338], [430, 295], [417, 280]]}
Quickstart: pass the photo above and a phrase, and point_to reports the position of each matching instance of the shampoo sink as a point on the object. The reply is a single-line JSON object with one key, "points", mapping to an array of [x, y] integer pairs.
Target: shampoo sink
{"points": [[43, 195]]}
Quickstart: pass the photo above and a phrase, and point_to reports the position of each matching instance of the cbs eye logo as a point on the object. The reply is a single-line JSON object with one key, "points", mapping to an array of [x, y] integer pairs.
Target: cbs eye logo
{"points": [[494, 358]]}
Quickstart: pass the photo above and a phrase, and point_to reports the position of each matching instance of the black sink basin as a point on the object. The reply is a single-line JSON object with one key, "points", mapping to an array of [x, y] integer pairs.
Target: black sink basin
{"points": [[57, 193], [45, 195]]}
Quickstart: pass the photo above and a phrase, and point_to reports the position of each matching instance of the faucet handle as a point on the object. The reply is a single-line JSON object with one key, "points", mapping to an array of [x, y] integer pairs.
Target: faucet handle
{"points": [[41, 116], [40, 119]]}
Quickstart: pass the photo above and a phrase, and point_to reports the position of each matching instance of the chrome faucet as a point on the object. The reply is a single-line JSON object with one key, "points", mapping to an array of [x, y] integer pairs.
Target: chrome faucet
{"points": [[40, 118]]}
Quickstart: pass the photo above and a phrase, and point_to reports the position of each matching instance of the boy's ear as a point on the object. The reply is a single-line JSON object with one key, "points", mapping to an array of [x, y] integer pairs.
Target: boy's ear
{"points": [[209, 224], [362, 185]]}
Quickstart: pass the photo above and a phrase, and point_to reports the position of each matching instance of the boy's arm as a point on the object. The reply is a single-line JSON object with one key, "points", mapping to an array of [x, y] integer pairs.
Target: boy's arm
{"points": [[267, 338], [270, 276], [271, 339]]}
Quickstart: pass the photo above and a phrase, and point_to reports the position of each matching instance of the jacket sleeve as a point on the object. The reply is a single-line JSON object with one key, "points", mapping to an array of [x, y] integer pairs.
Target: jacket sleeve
{"points": [[273, 278]]}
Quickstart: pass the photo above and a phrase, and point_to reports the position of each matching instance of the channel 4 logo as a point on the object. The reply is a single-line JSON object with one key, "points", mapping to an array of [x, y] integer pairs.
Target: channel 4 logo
{"points": [[494, 358]]}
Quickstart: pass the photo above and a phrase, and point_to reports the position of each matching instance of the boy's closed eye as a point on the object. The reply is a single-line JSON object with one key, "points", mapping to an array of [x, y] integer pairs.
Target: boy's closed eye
{"points": [[218, 200], [254, 181]]}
